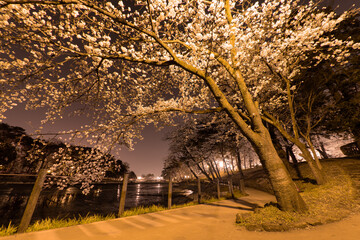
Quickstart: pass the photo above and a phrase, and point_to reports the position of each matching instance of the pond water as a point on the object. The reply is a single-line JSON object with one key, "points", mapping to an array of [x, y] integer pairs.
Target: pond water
{"points": [[70, 202]]}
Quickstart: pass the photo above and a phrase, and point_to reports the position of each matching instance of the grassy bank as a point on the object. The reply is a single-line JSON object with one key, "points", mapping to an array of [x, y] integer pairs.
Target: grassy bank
{"points": [[330, 202]]}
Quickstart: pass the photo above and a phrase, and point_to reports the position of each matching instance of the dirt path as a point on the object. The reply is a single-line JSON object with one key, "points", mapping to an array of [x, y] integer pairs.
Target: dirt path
{"points": [[200, 222]]}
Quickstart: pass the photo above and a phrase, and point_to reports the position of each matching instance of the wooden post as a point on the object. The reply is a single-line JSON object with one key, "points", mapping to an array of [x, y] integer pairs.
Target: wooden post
{"points": [[199, 190], [31, 204], [123, 194], [170, 191], [231, 187], [218, 188]]}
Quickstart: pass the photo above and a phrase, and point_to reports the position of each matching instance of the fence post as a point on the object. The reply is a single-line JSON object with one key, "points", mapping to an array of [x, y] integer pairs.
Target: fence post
{"points": [[199, 190], [170, 191], [123, 194], [31, 204], [218, 188]]}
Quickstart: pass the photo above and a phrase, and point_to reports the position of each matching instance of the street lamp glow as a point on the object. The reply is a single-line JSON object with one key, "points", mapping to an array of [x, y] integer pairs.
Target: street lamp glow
{"points": [[221, 164]]}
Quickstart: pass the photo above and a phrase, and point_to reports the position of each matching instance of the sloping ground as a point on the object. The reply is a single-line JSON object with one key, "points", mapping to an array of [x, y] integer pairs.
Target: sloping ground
{"points": [[333, 201], [351, 167], [257, 178]]}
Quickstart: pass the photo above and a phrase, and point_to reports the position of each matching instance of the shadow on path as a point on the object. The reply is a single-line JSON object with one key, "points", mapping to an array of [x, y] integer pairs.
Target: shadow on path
{"points": [[251, 206]]}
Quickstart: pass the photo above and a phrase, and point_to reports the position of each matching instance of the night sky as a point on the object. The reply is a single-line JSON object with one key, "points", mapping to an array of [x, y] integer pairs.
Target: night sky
{"points": [[147, 157], [149, 154]]}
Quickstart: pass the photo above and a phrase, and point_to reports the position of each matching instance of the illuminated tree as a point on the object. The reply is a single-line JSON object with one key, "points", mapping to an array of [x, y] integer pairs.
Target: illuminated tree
{"points": [[136, 62]]}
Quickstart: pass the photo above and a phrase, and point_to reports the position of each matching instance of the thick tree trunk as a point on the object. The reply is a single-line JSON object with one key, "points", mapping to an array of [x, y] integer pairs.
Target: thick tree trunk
{"points": [[284, 188]]}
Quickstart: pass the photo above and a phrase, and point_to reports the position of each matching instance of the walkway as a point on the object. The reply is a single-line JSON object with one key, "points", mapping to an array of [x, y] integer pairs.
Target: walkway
{"points": [[199, 222]]}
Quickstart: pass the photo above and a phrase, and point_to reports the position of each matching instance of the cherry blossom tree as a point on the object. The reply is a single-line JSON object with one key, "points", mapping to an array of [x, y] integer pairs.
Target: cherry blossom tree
{"points": [[132, 63]]}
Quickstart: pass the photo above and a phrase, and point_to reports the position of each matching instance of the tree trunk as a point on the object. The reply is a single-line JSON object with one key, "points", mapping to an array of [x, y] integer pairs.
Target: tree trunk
{"points": [[217, 170], [203, 172], [170, 192], [199, 190], [284, 188], [312, 149], [214, 170], [192, 171], [318, 174], [218, 188], [211, 171], [241, 174], [231, 187], [33, 199], [290, 152], [322, 149], [199, 167]]}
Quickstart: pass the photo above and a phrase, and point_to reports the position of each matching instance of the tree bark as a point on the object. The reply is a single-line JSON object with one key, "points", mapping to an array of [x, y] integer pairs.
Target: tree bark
{"points": [[279, 149], [231, 187], [284, 188], [199, 190], [291, 154], [214, 170], [318, 173], [170, 192], [211, 171], [241, 174]]}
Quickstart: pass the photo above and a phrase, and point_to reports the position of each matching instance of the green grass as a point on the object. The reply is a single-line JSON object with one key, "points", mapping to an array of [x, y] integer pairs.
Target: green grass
{"points": [[142, 210], [6, 231], [48, 223], [326, 203]]}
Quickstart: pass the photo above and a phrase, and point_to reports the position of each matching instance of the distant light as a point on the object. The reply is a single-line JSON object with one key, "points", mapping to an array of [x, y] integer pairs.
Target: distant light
{"points": [[221, 164], [139, 178]]}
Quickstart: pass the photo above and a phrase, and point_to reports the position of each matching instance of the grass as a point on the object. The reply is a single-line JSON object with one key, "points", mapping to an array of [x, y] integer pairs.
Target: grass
{"points": [[326, 203], [142, 210], [6, 231]]}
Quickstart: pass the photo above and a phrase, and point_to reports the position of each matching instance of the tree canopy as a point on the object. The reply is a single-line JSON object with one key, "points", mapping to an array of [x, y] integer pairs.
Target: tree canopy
{"points": [[134, 62]]}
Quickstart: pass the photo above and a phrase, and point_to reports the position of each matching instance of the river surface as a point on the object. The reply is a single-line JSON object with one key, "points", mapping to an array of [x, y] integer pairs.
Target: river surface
{"points": [[70, 202]]}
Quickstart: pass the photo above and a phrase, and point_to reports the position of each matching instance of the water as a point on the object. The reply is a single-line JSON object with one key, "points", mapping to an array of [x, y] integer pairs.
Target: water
{"points": [[70, 202]]}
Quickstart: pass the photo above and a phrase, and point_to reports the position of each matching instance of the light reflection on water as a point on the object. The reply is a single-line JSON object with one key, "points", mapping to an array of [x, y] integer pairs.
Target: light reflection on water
{"points": [[103, 199]]}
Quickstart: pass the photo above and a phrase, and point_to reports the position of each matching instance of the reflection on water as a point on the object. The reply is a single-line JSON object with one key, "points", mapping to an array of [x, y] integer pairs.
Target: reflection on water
{"points": [[103, 199]]}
